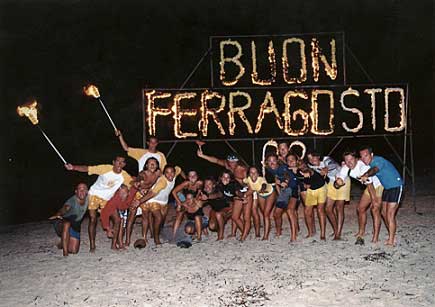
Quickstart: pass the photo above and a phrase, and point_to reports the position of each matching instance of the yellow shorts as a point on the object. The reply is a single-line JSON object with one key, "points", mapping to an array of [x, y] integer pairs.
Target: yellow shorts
{"points": [[342, 193], [150, 207], [138, 195], [315, 197], [96, 202], [378, 190]]}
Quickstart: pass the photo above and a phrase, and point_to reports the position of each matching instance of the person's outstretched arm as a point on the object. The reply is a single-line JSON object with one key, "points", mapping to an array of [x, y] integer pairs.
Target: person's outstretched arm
{"points": [[211, 159], [77, 168], [121, 140]]}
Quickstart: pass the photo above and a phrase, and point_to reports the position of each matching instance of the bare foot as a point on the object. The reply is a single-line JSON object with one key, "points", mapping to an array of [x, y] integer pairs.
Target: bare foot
{"points": [[59, 245], [65, 253], [308, 236], [92, 250], [375, 240], [115, 248], [322, 238], [265, 239], [109, 233], [359, 234], [231, 236], [336, 238], [390, 242]]}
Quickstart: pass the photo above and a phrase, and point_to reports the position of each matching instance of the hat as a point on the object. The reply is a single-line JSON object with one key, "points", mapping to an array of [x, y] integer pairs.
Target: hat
{"points": [[232, 158]]}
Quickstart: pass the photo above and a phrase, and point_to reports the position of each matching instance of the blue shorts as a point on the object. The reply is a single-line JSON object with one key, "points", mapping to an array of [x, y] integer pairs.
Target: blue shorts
{"points": [[284, 197], [74, 234], [203, 226], [392, 195]]}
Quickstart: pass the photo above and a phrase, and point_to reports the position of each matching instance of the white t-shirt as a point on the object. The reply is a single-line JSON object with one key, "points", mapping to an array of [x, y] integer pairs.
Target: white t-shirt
{"points": [[333, 167], [108, 182], [359, 170], [142, 155]]}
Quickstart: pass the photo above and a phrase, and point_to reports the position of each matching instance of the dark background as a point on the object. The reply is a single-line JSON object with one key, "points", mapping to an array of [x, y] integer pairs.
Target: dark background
{"points": [[50, 49]]}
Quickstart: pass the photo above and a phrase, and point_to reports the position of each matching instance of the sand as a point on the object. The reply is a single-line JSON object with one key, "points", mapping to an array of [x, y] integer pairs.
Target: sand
{"points": [[33, 271]]}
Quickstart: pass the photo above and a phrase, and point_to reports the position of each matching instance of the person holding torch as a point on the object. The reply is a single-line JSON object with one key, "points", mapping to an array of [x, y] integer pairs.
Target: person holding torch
{"points": [[110, 178]]}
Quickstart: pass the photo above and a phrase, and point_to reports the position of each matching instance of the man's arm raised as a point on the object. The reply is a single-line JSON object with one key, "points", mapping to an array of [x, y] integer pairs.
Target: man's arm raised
{"points": [[211, 159], [121, 140]]}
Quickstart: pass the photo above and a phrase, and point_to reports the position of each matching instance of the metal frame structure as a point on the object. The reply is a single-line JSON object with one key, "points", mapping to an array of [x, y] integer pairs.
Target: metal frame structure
{"points": [[407, 135]]}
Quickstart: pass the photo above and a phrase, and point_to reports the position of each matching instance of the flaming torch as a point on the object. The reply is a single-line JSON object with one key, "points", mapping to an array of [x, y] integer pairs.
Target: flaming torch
{"points": [[30, 111], [92, 91]]}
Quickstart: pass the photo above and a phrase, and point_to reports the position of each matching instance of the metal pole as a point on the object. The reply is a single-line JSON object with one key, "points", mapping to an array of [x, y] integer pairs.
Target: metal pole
{"points": [[253, 151], [405, 141], [335, 146], [171, 149], [344, 60], [144, 132]]}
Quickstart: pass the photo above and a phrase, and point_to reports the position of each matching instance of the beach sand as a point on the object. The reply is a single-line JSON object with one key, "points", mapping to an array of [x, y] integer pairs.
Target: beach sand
{"points": [[33, 271]]}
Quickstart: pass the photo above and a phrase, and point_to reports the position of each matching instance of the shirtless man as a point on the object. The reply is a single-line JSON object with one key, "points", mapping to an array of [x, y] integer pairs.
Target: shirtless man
{"points": [[393, 186], [67, 221], [355, 168], [110, 178]]}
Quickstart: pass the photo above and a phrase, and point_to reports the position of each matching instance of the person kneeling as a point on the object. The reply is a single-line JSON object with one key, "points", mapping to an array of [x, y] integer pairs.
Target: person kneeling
{"points": [[67, 221]]}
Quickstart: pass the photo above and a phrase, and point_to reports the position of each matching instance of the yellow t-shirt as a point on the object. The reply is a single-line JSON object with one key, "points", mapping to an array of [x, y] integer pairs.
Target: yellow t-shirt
{"points": [[256, 186], [108, 182], [142, 155]]}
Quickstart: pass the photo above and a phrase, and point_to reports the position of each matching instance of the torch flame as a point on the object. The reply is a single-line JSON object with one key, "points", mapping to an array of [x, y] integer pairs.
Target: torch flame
{"points": [[30, 111], [91, 90]]}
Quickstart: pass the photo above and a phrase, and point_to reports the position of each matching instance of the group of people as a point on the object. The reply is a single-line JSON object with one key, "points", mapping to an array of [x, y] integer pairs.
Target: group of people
{"points": [[241, 195]]}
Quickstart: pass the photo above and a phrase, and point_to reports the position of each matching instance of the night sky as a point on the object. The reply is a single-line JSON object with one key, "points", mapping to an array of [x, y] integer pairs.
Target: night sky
{"points": [[50, 49]]}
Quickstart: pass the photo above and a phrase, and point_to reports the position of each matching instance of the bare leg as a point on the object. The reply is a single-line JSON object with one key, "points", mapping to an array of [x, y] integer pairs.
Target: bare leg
{"points": [[198, 227], [164, 211], [270, 200], [385, 216], [178, 219], [237, 211], [247, 211], [220, 225], [362, 215], [376, 212], [322, 220], [331, 216], [74, 245], [116, 225], [212, 221], [309, 217], [92, 229], [339, 204], [157, 217], [65, 237], [256, 217], [293, 219], [145, 224], [130, 221], [391, 214], [120, 241], [278, 220]]}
